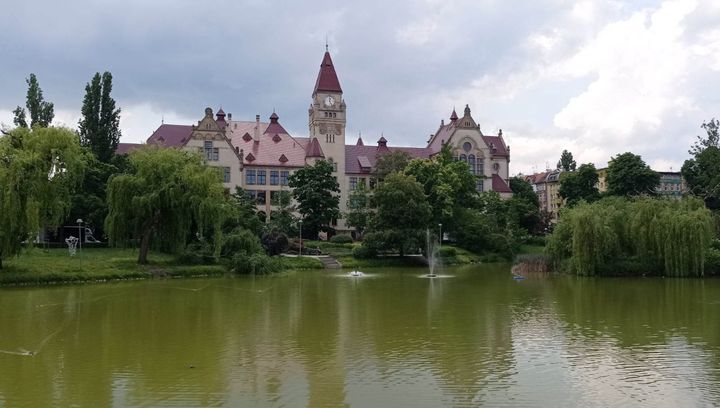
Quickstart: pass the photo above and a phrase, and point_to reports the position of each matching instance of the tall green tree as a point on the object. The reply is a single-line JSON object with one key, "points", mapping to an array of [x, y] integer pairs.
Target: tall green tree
{"points": [[41, 112], [566, 162], [39, 171], [702, 171], [359, 210], [389, 162], [448, 186], [580, 185], [628, 175], [402, 217], [316, 191], [99, 126], [166, 194], [524, 206]]}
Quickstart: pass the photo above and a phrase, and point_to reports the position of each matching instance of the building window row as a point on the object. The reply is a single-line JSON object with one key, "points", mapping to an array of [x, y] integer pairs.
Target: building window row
{"points": [[357, 181], [259, 177], [329, 138], [330, 114], [476, 164], [211, 153]]}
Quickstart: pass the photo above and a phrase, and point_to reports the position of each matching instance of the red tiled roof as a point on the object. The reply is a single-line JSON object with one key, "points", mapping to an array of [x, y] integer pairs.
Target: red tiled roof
{"points": [[266, 152], [359, 157], [327, 79], [497, 145], [125, 148], [499, 185], [275, 128], [314, 150], [170, 135]]}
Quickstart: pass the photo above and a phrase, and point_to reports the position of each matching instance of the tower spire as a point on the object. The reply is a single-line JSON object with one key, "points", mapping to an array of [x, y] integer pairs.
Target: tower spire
{"points": [[327, 80]]}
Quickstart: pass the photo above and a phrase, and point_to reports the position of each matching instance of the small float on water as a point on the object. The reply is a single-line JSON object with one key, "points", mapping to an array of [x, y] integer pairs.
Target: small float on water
{"points": [[356, 273], [518, 277]]}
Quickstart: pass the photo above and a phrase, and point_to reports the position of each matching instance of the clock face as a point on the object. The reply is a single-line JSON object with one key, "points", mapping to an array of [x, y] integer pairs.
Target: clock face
{"points": [[329, 101]]}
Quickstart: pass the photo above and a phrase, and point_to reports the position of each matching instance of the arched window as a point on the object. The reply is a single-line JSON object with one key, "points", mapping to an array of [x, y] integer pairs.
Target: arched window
{"points": [[463, 158], [471, 163]]}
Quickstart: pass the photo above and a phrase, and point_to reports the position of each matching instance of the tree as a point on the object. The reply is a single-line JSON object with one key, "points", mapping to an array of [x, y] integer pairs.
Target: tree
{"points": [[628, 175], [524, 206], [282, 219], [89, 201], [712, 128], [566, 163], [39, 170], [41, 112], [702, 172], [448, 186], [316, 191], [402, 216], [359, 211], [99, 126], [580, 185], [166, 194], [389, 162]]}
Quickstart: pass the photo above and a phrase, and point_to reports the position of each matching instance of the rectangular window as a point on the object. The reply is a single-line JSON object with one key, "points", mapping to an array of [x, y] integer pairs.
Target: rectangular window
{"points": [[480, 185], [250, 177], [208, 150], [216, 154], [261, 177], [274, 177], [284, 177], [353, 183], [226, 174], [480, 167], [373, 183]]}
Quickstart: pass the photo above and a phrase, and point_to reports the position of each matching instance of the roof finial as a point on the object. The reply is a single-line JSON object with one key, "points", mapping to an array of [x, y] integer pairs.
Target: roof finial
{"points": [[162, 119], [326, 42]]}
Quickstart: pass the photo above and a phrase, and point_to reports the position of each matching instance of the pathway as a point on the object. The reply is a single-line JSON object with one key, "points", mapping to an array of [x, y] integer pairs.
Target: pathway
{"points": [[329, 262]]}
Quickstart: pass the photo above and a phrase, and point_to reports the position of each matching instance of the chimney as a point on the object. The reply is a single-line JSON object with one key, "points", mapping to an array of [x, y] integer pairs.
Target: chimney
{"points": [[256, 136], [442, 122], [229, 116]]}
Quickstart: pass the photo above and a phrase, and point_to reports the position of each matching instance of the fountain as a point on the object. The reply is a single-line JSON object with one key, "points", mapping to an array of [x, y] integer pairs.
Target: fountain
{"points": [[431, 254], [356, 274]]}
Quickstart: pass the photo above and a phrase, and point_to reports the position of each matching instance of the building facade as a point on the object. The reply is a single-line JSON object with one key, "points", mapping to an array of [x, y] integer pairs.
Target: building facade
{"points": [[260, 156]]}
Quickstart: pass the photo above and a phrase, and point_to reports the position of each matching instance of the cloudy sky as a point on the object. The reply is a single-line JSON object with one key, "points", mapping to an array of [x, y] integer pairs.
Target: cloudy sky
{"points": [[595, 77]]}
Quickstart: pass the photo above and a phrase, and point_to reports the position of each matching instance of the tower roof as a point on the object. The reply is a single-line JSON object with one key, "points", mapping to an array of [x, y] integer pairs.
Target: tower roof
{"points": [[327, 79], [314, 149], [275, 128]]}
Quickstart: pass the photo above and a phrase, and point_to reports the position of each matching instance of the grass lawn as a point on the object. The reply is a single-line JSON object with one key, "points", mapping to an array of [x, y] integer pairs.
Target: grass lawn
{"points": [[531, 249], [39, 266]]}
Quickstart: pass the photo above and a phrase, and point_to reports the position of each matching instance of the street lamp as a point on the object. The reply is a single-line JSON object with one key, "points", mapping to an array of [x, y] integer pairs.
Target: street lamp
{"points": [[80, 238], [300, 222], [440, 237]]}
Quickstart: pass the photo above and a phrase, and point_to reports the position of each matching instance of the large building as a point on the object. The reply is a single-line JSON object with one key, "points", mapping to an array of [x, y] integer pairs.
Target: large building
{"points": [[260, 156]]}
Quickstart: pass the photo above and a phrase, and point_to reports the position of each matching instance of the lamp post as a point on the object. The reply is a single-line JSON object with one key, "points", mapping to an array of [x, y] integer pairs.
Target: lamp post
{"points": [[300, 222], [80, 239], [440, 237]]}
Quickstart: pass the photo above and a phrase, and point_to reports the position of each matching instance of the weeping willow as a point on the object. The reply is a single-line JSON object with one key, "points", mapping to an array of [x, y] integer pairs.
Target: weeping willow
{"points": [[167, 195], [655, 236]]}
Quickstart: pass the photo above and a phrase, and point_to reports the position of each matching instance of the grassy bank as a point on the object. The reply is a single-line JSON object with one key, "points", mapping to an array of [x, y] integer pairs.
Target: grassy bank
{"points": [[39, 266]]}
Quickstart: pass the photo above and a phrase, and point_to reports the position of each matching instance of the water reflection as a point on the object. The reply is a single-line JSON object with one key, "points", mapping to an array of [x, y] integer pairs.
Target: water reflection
{"points": [[387, 339]]}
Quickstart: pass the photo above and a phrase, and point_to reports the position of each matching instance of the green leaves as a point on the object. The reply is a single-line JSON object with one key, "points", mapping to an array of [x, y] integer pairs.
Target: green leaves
{"points": [[99, 126], [628, 175], [315, 189]]}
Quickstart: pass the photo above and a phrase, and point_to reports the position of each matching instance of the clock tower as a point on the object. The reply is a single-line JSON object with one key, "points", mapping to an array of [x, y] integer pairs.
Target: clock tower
{"points": [[326, 116]]}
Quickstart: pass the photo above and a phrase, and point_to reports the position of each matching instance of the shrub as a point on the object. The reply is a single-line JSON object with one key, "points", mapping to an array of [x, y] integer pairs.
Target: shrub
{"points": [[712, 262], [240, 240], [341, 239], [364, 252], [255, 263], [447, 252], [197, 253], [275, 242]]}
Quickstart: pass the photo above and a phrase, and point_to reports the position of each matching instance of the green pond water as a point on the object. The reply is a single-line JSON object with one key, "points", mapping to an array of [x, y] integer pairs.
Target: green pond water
{"points": [[388, 339]]}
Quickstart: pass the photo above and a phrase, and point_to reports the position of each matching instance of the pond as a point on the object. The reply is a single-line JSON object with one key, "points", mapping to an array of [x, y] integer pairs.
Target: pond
{"points": [[390, 338]]}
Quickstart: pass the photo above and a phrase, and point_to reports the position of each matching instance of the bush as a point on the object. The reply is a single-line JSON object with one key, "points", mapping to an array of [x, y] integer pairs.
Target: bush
{"points": [[364, 252], [447, 252], [197, 253], [256, 263], [341, 239], [238, 241], [275, 242], [712, 262]]}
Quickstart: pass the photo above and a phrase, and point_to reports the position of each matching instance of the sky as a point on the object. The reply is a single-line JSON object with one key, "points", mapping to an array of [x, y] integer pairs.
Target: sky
{"points": [[597, 78]]}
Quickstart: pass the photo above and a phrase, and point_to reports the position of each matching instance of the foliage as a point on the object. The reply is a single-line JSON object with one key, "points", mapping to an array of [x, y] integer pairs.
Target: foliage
{"points": [[341, 239], [524, 206], [283, 219], [88, 202], [364, 252], [390, 162], [448, 186], [566, 162], [99, 126], [399, 227], [166, 194], [197, 253], [645, 235], [628, 175], [41, 112], [702, 172], [580, 185], [241, 213], [39, 171], [255, 263], [275, 242], [712, 128], [240, 240], [316, 191], [359, 211]]}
